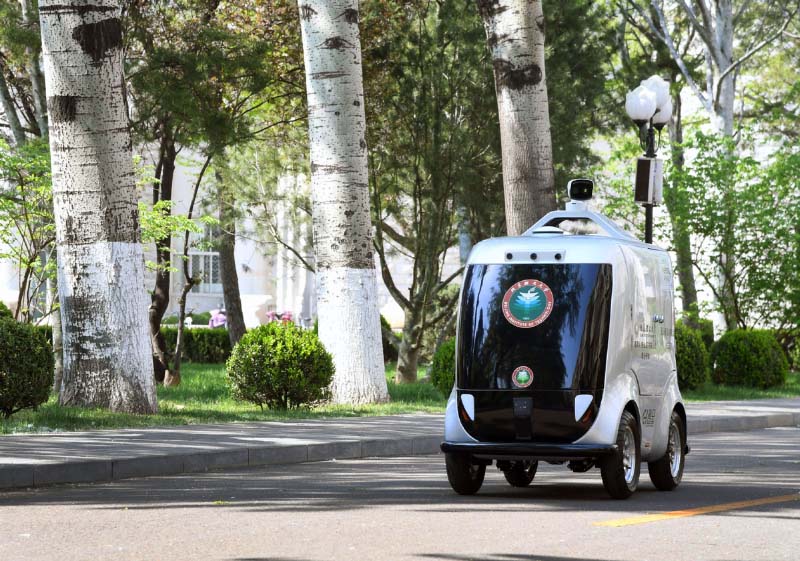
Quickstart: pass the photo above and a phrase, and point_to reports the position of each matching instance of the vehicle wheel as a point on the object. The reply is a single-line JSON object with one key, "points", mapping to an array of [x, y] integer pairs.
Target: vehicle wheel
{"points": [[620, 471], [520, 474], [464, 476], [666, 472]]}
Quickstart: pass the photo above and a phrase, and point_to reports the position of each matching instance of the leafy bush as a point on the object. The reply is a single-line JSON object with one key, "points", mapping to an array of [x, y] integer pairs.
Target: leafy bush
{"points": [[443, 368], [390, 348], [706, 329], [5, 313], [691, 356], [201, 318], [750, 358], [26, 367], [280, 366], [200, 345]]}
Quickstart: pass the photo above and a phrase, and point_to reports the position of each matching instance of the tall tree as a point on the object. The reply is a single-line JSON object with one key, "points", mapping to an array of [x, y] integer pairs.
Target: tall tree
{"points": [[107, 360], [349, 322], [515, 35]]}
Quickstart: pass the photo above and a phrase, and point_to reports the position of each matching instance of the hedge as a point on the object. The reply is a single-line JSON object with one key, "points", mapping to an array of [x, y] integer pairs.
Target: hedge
{"points": [[749, 357], [443, 368], [692, 357], [26, 367], [200, 345]]}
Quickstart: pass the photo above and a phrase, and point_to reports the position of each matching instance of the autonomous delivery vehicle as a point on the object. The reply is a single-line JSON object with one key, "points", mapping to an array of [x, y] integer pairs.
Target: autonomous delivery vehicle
{"points": [[565, 353]]}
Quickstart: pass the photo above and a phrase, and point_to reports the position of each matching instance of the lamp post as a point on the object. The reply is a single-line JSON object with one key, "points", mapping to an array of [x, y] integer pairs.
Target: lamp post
{"points": [[650, 107]]}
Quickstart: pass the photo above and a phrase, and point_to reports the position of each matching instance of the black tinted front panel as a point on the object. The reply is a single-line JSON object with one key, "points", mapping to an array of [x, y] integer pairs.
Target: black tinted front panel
{"points": [[551, 320]]}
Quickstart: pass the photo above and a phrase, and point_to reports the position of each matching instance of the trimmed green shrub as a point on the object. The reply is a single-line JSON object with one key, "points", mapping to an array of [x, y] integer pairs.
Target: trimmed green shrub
{"points": [[706, 329], [390, 348], [201, 318], [5, 313], [692, 357], [280, 366], [45, 331], [747, 357], [26, 367], [443, 367], [200, 345]]}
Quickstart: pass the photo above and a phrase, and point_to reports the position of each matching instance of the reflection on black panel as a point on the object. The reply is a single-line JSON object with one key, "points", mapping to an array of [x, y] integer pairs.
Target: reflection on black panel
{"points": [[565, 351]]}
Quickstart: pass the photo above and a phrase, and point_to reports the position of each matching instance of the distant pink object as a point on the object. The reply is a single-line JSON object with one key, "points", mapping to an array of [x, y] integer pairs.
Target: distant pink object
{"points": [[218, 319]]}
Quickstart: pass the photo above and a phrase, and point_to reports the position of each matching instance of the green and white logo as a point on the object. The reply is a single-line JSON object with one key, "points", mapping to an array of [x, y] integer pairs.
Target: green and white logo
{"points": [[522, 377], [527, 303]]}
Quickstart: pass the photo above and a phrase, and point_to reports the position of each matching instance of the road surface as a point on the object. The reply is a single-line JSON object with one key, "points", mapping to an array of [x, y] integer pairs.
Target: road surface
{"points": [[738, 501]]}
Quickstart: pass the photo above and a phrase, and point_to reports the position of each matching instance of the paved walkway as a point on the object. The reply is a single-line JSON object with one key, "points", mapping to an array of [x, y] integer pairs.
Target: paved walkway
{"points": [[35, 460]]}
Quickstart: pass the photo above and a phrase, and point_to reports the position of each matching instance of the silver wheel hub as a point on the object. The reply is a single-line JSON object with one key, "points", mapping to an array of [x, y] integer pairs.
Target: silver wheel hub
{"points": [[629, 455], [674, 450]]}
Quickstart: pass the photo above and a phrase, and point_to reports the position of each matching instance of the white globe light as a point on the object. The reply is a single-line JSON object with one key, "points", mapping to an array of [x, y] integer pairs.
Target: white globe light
{"points": [[640, 104], [663, 114], [661, 88]]}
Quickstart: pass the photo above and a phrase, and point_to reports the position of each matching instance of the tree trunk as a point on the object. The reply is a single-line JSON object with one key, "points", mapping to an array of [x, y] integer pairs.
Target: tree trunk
{"points": [[681, 239], [107, 359], [515, 35], [227, 267], [347, 300], [159, 299], [410, 345], [10, 112], [35, 72], [58, 340]]}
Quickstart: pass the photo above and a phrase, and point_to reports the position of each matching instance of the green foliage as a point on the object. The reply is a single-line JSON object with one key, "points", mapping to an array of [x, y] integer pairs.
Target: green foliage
{"points": [[5, 313], [201, 344], [198, 319], [26, 367], [443, 369], [706, 329], [27, 227], [692, 358], [746, 357], [280, 366], [743, 208]]}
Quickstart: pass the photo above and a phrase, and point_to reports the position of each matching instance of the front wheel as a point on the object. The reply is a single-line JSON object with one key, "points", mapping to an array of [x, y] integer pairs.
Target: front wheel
{"points": [[666, 472], [465, 477], [520, 474], [620, 471]]}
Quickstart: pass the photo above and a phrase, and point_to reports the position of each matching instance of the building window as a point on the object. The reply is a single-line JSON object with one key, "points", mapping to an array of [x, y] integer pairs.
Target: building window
{"points": [[204, 263]]}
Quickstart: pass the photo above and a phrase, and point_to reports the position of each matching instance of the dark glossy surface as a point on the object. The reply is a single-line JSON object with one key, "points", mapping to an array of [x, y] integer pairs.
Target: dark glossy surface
{"points": [[567, 351], [532, 450]]}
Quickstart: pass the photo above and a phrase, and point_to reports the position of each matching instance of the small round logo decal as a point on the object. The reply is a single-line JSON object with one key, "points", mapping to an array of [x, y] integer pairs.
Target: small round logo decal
{"points": [[527, 303], [522, 377]]}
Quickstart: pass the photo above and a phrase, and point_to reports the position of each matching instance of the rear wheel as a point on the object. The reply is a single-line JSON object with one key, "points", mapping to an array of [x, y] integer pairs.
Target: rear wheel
{"points": [[620, 471], [464, 476], [520, 474], [666, 472]]}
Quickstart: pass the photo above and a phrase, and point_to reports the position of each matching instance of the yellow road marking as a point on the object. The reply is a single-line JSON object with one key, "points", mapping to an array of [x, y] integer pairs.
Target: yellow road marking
{"points": [[644, 519]]}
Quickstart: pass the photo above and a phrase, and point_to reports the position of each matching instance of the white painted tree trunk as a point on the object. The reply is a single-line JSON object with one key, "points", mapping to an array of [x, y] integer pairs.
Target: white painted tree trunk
{"points": [[107, 359], [347, 303], [515, 35]]}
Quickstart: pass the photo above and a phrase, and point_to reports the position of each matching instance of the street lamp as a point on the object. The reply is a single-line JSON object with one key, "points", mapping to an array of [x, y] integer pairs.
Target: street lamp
{"points": [[650, 107]]}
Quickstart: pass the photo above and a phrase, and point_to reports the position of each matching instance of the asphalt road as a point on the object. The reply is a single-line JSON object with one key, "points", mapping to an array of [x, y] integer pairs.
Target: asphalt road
{"points": [[402, 508]]}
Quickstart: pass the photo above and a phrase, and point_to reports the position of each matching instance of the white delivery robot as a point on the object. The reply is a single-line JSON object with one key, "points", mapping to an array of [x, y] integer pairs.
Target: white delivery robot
{"points": [[565, 353]]}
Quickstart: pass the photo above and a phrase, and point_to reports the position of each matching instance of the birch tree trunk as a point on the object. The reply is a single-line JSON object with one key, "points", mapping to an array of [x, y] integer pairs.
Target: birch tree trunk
{"points": [[107, 359], [515, 35], [349, 322]]}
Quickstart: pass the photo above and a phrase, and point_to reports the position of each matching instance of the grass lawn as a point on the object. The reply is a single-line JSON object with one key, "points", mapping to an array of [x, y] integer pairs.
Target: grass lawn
{"points": [[203, 397], [712, 392]]}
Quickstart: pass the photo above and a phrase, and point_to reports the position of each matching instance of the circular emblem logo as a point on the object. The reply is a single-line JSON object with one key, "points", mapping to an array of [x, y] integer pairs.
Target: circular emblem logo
{"points": [[522, 377], [527, 303]]}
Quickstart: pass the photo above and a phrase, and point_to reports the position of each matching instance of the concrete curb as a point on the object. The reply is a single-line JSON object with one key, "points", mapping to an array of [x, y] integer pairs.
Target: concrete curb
{"points": [[96, 471], [23, 472]]}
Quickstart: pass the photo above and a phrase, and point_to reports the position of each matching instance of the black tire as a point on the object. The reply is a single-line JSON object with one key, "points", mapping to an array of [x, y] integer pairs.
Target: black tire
{"points": [[520, 474], [621, 470], [666, 472], [464, 476]]}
